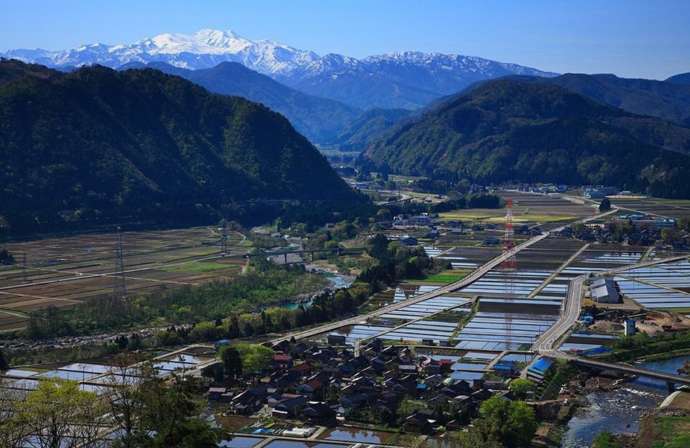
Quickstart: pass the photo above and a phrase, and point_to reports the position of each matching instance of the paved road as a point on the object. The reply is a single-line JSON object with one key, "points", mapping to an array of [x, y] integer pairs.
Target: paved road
{"points": [[644, 264], [474, 276], [558, 271], [573, 301], [569, 315], [571, 309]]}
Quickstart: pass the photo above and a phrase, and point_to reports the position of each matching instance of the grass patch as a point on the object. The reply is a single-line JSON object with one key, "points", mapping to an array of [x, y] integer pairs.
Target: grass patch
{"points": [[473, 215], [199, 267], [498, 216], [678, 310], [446, 277], [671, 432]]}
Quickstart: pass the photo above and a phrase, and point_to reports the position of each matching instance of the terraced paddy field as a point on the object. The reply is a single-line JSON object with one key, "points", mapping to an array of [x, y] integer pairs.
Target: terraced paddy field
{"points": [[66, 271]]}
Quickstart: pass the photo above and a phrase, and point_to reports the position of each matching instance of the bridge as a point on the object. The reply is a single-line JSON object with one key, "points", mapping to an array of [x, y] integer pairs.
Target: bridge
{"points": [[338, 251], [669, 378]]}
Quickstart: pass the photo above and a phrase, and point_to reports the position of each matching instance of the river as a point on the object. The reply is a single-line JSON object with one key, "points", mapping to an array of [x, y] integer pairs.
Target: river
{"points": [[335, 280], [619, 411]]}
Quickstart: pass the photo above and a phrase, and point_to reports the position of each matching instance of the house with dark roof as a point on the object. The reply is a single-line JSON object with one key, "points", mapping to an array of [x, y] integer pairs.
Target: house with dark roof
{"points": [[289, 405], [319, 413]]}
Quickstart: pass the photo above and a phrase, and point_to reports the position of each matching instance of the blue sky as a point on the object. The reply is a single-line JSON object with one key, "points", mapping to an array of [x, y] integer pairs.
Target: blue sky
{"points": [[631, 38]]}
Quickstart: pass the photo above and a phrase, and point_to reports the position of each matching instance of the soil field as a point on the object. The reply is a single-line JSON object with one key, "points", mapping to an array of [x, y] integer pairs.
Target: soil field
{"points": [[547, 205], [672, 208], [67, 271], [548, 254], [528, 208]]}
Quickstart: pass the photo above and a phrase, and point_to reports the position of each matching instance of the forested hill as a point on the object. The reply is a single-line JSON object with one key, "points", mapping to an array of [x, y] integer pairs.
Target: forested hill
{"points": [[100, 146], [319, 119], [13, 69], [517, 130], [663, 99]]}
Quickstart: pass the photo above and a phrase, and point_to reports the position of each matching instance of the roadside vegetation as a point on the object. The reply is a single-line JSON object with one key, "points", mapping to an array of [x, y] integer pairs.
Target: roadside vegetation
{"points": [[639, 345], [446, 277]]}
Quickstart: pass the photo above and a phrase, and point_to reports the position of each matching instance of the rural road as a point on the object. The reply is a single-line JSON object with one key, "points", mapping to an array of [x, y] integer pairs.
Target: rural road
{"points": [[573, 302], [474, 276], [569, 315]]}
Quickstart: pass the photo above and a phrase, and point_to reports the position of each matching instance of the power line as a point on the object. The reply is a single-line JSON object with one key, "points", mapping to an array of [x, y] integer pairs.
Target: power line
{"points": [[119, 284], [24, 276], [224, 239]]}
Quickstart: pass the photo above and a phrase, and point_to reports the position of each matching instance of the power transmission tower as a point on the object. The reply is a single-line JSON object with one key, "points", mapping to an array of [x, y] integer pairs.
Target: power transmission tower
{"points": [[224, 239], [24, 268], [119, 285], [509, 265]]}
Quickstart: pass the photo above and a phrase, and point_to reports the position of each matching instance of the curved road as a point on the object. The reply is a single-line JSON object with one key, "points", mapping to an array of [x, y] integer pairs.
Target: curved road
{"points": [[547, 341]]}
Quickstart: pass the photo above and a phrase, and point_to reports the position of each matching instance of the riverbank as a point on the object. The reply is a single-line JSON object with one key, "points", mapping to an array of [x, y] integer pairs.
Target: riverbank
{"points": [[619, 407]]}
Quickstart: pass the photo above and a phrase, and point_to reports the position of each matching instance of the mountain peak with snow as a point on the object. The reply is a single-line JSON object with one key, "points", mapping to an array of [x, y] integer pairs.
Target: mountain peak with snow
{"points": [[205, 41], [423, 75]]}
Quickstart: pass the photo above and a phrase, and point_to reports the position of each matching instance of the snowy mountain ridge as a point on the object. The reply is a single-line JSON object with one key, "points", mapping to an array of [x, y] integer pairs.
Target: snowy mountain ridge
{"points": [[208, 47], [407, 79]]}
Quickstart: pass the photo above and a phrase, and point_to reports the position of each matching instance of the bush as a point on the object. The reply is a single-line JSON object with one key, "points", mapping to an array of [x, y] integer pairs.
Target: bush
{"points": [[512, 423], [255, 357], [605, 440], [521, 387]]}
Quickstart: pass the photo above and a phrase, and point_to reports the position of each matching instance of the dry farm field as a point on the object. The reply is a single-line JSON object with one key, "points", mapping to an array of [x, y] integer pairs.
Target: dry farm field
{"points": [[69, 270]]}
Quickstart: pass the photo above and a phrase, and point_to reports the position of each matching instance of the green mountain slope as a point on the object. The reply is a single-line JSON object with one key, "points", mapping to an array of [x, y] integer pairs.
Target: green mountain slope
{"points": [[667, 100], [518, 130], [319, 119], [13, 69], [99, 146], [369, 125]]}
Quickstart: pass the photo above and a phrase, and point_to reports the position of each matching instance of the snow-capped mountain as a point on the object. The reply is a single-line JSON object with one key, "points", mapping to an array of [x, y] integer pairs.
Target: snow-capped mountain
{"points": [[203, 49], [398, 80], [409, 79]]}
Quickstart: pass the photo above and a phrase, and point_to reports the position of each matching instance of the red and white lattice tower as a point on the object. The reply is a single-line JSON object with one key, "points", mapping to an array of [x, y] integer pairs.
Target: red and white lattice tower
{"points": [[508, 266], [510, 263]]}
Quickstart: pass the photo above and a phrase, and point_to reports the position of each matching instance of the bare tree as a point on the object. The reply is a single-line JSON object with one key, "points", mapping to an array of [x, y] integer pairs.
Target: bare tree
{"points": [[124, 400]]}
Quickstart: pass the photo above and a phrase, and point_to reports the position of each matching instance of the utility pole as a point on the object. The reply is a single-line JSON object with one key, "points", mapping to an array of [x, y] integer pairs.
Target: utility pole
{"points": [[224, 239], [119, 285], [24, 276]]}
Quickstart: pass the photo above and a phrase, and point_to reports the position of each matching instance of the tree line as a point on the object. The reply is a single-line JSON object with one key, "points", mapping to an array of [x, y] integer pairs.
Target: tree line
{"points": [[142, 411]]}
